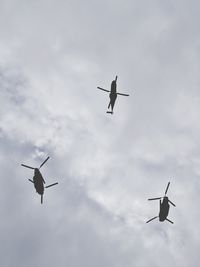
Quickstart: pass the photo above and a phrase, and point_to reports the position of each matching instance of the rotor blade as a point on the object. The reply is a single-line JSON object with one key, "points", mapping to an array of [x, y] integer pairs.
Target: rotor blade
{"points": [[155, 198], [109, 112], [152, 219], [103, 89], [167, 188], [27, 166], [41, 199], [31, 181], [122, 94], [169, 221], [51, 185], [172, 203], [44, 162]]}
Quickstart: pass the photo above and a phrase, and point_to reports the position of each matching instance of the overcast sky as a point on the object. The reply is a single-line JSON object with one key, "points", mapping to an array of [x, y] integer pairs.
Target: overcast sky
{"points": [[53, 55]]}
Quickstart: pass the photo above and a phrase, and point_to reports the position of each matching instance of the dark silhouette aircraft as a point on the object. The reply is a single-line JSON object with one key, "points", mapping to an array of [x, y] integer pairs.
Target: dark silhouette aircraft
{"points": [[38, 180], [164, 207], [113, 94]]}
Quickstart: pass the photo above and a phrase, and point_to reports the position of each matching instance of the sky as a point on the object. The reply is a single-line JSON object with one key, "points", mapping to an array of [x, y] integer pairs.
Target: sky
{"points": [[53, 55]]}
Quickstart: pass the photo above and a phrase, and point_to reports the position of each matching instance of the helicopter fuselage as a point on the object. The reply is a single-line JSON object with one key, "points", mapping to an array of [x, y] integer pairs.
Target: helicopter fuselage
{"points": [[38, 182], [113, 93], [164, 209]]}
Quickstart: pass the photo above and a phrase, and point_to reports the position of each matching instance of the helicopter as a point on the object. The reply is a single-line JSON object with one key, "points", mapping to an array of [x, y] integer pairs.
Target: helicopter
{"points": [[113, 94], [38, 179], [164, 207]]}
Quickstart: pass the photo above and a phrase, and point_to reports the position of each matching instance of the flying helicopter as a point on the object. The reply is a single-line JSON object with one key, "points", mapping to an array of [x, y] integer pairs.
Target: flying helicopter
{"points": [[164, 207], [38, 179], [113, 94]]}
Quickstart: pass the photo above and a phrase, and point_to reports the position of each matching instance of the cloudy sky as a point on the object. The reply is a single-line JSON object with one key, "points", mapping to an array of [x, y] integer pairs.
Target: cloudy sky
{"points": [[53, 55]]}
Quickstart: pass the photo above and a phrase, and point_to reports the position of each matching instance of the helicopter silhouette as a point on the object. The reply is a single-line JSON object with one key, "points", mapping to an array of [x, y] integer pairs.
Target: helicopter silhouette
{"points": [[38, 179], [164, 207], [113, 94]]}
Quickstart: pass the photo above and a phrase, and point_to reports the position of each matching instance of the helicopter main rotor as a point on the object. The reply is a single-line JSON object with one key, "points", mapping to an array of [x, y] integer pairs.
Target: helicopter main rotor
{"points": [[26, 166], [23, 165], [166, 190]]}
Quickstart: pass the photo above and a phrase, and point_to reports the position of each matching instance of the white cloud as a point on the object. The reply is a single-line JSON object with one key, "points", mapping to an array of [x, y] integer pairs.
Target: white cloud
{"points": [[53, 55]]}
